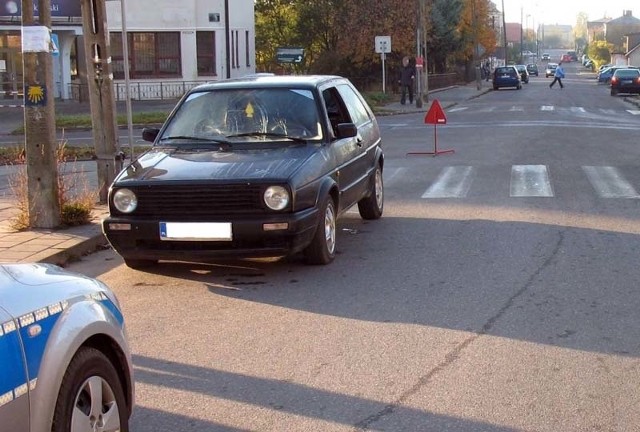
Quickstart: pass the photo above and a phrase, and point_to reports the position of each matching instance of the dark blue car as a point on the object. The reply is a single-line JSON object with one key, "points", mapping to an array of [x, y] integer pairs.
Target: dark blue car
{"points": [[506, 76]]}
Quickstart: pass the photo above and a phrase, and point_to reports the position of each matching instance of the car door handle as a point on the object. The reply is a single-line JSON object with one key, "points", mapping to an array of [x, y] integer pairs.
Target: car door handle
{"points": [[359, 141]]}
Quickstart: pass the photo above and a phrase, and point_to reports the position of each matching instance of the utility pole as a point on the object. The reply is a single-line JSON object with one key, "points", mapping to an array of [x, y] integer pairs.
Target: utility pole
{"points": [[227, 33], [101, 94], [418, 54], [504, 32], [39, 117], [476, 64]]}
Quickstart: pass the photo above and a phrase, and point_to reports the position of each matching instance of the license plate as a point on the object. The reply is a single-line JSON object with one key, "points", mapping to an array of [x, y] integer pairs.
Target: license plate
{"points": [[196, 231], [627, 81]]}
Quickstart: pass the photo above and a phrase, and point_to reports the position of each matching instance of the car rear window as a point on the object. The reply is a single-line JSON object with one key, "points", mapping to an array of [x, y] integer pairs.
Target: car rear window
{"points": [[627, 73], [505, 70]]}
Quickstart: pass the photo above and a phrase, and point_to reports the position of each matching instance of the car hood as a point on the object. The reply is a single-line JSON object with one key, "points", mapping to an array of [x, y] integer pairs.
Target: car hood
{"points": [[26, 288], [251, 164]]}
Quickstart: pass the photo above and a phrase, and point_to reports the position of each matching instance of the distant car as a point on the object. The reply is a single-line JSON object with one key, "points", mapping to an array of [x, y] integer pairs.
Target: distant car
{"points": [[550, 70], [250, 167], [567, 58], [532, 68], [546, 56], [66, 363], [625, 80], [506, 76], [524, 73]]}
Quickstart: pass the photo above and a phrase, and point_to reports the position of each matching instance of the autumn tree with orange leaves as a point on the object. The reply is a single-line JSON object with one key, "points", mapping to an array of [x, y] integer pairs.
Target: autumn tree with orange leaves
{"points": [[338, 36]]}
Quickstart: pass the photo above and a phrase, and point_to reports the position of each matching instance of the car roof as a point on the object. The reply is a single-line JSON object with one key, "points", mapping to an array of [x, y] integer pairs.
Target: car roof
{"points": [[270, 80]]}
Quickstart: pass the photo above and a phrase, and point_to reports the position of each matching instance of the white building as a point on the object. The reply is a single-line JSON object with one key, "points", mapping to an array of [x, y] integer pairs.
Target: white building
{"points": [[173, 45]]}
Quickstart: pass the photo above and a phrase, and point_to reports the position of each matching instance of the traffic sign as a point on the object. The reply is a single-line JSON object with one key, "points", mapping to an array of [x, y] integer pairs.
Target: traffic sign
{"points": [[289, 55], [383, 44], [435, 115], [55, 45]]}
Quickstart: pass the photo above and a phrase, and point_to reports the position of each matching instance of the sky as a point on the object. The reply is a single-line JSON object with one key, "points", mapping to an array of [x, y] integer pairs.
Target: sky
{"points": [[564, 11]]}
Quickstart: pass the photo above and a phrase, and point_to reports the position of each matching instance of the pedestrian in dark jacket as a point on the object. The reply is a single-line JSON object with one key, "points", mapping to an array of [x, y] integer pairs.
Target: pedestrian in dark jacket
{"points": [[406, 81]]}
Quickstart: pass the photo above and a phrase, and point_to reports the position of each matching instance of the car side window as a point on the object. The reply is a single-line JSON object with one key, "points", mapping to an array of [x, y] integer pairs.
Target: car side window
{"points": [[357, 110], [335, 108]]}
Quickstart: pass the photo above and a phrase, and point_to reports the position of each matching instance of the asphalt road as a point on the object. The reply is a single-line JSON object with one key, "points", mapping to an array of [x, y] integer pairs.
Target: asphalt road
{"points": [[497, 293]]}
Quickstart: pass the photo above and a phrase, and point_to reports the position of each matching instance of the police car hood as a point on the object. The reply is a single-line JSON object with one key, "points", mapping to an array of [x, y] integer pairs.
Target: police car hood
{"points": [[181, 164], [27, 288]]}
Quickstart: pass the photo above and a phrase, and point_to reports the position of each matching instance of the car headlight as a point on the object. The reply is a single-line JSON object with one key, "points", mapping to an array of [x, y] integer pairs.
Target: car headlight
{"points": [[276, 197], [125, 201]]}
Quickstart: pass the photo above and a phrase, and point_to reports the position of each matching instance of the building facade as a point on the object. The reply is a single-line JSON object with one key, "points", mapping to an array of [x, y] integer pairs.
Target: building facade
{"points": [[172, 46]]}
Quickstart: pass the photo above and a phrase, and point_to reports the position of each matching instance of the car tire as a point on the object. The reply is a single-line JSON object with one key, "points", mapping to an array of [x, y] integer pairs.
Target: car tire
{"points": [[138, 264], [91, 382], [371, 207], [519, 87], [322, 249], [495, 87], [614, 92]]}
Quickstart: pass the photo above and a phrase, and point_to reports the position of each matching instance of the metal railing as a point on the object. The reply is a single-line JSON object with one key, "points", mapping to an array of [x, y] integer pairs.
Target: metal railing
{"points": [[156, 90]]}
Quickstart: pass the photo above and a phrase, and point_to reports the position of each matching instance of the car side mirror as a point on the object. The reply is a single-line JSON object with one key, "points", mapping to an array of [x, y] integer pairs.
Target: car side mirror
{"points": [[150, 134], [346, 130]]}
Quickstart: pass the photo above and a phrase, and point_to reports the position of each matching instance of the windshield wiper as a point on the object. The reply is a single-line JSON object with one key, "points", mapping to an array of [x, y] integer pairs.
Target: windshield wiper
{"points": [[195, 138], [269, 135]]}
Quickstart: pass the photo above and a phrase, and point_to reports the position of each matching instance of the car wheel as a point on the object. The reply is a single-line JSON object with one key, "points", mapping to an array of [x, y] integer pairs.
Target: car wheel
{"points": [[137, 264], [495, 87], [614, 92], [371, 207], [91, 396], [322, 249], [519, 87]]}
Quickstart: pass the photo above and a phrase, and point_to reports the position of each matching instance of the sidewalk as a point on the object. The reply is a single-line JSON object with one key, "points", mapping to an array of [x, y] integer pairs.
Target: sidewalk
{"points": [[61, 246]]}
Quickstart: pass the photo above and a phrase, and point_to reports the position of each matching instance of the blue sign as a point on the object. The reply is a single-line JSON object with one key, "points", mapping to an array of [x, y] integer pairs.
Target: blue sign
{"points": [[55, 45], [59, 8], [35, 96]]}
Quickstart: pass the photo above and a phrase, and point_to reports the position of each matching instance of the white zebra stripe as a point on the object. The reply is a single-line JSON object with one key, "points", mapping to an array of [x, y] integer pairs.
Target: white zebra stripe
{"points": [[608, 182], [452, 182], [530, 181]]}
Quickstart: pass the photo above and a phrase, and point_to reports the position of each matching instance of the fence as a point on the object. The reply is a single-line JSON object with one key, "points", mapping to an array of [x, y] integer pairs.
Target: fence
{"points": [[157, 90]]}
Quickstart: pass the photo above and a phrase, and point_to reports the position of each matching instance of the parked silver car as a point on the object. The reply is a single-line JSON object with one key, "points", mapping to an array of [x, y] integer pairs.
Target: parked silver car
{"points": [[66, 363]]}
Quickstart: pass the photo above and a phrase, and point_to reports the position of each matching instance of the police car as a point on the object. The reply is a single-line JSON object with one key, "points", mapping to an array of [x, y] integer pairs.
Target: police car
{"points": [[66, 363]]}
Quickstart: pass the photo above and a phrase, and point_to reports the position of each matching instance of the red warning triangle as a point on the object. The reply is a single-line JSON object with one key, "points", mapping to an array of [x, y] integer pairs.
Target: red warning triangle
{"points": [[435, 115]]}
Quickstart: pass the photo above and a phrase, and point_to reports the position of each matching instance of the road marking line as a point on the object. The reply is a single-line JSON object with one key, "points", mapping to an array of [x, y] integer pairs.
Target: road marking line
{"points": [[607, 111], [608, 182], [388, 177], [547, 108], [452, 182], [530, 181], [457, 109], [516, 108], [578, 109], [487, 109], [634, 112]]}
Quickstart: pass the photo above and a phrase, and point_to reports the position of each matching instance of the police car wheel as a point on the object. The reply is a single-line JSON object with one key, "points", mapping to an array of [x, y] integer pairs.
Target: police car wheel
{"points": [[91, 396]]}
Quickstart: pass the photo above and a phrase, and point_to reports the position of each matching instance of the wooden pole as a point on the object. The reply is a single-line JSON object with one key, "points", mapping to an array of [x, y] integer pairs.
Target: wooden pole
{"points": [[101, 93], [39, 117]]}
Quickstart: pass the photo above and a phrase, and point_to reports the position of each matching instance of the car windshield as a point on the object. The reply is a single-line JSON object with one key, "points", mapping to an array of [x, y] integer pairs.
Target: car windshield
{"points": [[262, 114]]}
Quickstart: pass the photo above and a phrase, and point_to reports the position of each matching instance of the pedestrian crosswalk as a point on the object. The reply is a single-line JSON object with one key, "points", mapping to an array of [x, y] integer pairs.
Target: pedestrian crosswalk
{"points": [[543, 108], [525, 181]]}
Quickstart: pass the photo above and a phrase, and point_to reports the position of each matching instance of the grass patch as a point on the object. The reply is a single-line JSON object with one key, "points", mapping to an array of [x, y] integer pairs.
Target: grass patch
{"points": [[84, 120], [16, 155], [76, 198]]}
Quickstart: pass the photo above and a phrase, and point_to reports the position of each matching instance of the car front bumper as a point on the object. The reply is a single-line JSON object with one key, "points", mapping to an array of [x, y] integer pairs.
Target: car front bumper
{"points": [[249, 238]]}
